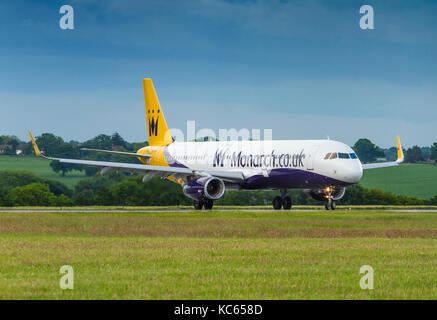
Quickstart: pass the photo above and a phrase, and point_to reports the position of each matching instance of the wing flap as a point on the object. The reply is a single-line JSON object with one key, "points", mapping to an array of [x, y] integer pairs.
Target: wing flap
{"points": [[128, 167], [120, 153]]}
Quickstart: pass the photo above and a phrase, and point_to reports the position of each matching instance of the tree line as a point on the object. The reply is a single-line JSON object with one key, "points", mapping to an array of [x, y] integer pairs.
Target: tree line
{"points": [[22, 188], [368, 152], [55, 146]]}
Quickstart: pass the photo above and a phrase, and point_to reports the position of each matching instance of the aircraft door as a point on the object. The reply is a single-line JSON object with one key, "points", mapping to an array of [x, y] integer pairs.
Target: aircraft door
{"points": [[312, 153]]}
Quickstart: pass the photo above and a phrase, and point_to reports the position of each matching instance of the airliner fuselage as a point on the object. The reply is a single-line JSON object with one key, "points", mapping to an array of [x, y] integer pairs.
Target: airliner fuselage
{"points": [[277, 164]]}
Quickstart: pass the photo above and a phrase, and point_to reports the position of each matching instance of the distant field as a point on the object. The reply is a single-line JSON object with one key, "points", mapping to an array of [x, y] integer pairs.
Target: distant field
{"points": [[218, 255], [40, 167], [407, 179]]}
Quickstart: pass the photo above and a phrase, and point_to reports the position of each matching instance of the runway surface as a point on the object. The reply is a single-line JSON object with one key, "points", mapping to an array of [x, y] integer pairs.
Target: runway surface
{"points": [[200, 211]]}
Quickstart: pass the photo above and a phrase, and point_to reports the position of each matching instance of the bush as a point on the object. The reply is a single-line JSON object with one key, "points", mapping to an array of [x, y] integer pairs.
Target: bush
{"points": [[11, 179], [34, 194], [156, 192], [358, 195], [90, 186], [2, 200], [63, 201]]}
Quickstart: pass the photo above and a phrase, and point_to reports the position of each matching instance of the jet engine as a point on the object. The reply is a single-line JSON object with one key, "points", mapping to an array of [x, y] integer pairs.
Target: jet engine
{"points": [[323, 194], [207, 187]]}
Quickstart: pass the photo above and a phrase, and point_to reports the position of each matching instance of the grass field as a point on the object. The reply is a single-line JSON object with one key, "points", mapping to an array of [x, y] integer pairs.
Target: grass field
{"points": [[417, 180], [218, 255], [40, 167]]}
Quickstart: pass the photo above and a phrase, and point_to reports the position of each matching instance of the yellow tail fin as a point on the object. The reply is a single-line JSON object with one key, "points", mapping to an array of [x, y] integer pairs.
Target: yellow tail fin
{"points": [[157, 130]]}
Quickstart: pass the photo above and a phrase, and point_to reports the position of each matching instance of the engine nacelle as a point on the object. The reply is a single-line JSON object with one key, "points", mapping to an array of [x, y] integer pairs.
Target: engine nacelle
{"points": [[206, 187], [322, 194]]}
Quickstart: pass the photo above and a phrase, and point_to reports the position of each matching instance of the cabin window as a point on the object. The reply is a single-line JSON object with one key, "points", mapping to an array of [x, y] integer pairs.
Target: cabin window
{"points": [[333, 155], [343, 155], [327, 156]]}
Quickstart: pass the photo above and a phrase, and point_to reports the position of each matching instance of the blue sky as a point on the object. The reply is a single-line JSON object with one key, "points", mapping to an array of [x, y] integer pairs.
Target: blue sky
{"points": [[302, 68]]}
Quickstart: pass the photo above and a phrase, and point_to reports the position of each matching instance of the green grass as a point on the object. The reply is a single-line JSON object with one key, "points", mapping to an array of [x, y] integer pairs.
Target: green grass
{"points": [[218, 255], [40, 167], [416, 180]]}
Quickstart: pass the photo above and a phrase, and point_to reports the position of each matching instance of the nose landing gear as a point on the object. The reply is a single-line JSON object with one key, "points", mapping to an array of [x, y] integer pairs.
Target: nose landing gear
{"points": [[330, 204]]}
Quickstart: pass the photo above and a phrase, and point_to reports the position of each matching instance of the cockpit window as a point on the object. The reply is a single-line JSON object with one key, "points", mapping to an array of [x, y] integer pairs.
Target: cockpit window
{"points": [[333, 155], [340, 155]]}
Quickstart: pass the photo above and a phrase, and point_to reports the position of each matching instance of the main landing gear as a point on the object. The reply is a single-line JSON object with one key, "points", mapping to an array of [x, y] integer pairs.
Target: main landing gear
{"points": [[206, 203], [282, 201]]}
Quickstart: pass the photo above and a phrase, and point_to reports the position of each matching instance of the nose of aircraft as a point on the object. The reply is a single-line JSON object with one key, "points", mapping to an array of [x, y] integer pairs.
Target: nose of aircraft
{"points": [[353, 172]]}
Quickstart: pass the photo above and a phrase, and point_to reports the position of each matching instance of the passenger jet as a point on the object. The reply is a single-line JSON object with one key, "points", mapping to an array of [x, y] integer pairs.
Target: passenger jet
{"points": [[205, 170]]}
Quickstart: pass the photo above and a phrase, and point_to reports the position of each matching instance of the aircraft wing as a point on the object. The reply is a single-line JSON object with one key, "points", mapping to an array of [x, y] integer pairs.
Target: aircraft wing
{"points": [[399, 160], [162, 171], [129, 154]]}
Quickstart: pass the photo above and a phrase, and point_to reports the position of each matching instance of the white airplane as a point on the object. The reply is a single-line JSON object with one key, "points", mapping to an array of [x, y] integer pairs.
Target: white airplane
{"points": [[205, 170]]}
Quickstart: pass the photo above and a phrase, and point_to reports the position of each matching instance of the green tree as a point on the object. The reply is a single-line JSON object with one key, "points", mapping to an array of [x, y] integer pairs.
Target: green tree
{"points": [[102, 141], [117, 140], [391, 154], [28, 148], [2, 200], [11, 179], [11, 142], [138, 145], [49, 143], [156, 192], [367, 151], [103, 197], [90, 186], [34, 194], [413, 155], [357, 195], [433, 154], [65, 150]]}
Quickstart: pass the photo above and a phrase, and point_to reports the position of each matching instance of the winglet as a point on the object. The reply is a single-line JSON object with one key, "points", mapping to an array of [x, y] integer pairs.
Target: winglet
{"points": [[35, 147], [400, 158]]}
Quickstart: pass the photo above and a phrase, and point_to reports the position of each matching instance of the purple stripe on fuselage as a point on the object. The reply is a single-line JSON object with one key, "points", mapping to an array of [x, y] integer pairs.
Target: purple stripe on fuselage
{"points": [[172, 162], [286, 178]]}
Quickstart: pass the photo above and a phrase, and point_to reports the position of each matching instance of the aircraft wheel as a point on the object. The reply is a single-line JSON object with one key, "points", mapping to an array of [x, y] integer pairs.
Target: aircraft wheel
{"points": [[333, 205], [208, 204], [327, 206], [286, 203], [198, 205], [277, 203]]}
